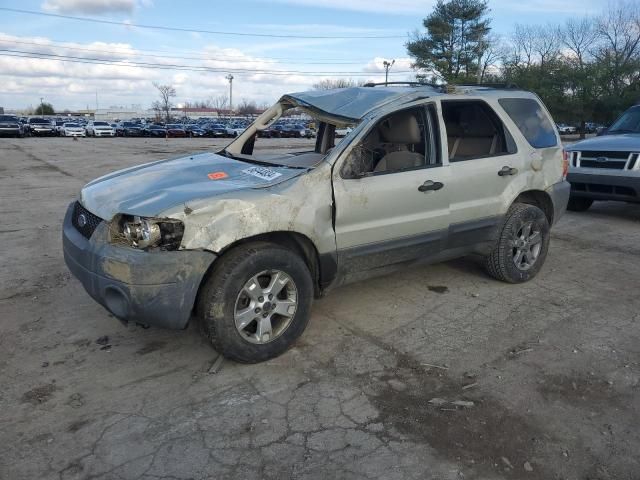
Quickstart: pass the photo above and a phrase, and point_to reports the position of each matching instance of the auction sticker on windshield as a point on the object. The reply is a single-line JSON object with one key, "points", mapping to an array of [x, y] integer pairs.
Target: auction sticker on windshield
{"points": [[262, 172]]}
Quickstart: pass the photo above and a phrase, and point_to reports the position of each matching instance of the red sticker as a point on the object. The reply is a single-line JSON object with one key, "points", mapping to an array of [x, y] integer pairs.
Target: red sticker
{"points": [[217, 175]]}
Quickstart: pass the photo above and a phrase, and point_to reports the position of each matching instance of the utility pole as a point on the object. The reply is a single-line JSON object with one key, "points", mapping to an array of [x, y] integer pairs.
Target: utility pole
{"points": [[42, 107], [230, 78], [387, 66], [96, 99]]}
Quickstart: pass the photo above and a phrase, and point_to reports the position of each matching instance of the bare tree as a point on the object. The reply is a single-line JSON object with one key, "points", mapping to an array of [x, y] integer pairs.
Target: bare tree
{"points": [[579, 36], [247, 106], [546, 44], [167, 92], [220, 102], [523, 40], [618, 29], [331, 83], [493, 50]]}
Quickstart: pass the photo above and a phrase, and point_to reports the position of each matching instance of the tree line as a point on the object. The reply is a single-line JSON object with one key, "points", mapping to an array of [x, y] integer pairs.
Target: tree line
{"points": [[586, 69]]}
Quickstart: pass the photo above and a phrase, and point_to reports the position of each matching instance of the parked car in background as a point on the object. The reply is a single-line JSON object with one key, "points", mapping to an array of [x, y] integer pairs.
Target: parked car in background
{"points": [[343, 131], [215, 130], [10, 126], [245, 239], [235, 129], [266, 133], [590, 127], [274, 131], [71, 129], [155, 131], [607, 167], [58, 125], [294, 131], [194, 130], [175, 130], [128, 129], [565, 129], [100, 129], [41, 127]]}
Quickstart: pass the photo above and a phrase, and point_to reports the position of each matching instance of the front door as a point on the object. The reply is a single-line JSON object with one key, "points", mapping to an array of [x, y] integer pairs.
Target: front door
{"points": [[392, 193]]}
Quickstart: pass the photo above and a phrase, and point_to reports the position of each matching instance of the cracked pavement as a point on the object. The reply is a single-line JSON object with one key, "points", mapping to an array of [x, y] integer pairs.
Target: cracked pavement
{"points": [[392, 379]]}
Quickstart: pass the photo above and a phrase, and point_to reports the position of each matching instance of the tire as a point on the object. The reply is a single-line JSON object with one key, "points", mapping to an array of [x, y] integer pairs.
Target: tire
{"points": [[503, 263], [579, 204], [223, 295]]}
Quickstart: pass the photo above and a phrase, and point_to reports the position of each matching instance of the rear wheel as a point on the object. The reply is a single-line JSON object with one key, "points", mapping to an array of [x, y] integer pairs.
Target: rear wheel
{"points": [[579, 204], [522, 245], [256, 302]]}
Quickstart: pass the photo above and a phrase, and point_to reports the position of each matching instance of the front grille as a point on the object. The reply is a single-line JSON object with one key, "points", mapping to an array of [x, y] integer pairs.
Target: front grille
{"points": [[611, 164], [605, 159], [596, 154], [84, 221]]}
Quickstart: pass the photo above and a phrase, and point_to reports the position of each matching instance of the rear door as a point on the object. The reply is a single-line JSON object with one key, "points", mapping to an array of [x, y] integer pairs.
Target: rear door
{"points": [[486, 169], [397, 214]]}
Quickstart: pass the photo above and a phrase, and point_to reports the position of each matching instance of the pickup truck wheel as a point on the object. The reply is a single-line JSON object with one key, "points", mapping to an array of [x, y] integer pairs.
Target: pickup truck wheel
{"points": [[579, 204], [522, 245], [256, 302]]}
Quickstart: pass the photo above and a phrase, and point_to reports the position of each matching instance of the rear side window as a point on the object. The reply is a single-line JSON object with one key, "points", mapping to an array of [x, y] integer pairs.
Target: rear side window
{"points": [[531, 120], [474, 131]]}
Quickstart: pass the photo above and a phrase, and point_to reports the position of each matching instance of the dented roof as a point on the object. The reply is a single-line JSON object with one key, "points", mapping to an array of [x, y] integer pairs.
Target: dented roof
{"points": [[349, 105], [352, 104]]}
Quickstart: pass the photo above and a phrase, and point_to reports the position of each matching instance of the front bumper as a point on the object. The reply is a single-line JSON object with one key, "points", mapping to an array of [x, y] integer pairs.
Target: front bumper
{"points": [[622, 185], [68, 133], [559, 193], [154, 288], [104, 133], [43, 131], [10, 131]]}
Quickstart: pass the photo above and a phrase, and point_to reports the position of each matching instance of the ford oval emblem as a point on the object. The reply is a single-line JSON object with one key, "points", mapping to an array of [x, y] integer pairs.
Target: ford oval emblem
{"points": [[601, 159], [82, 220]]}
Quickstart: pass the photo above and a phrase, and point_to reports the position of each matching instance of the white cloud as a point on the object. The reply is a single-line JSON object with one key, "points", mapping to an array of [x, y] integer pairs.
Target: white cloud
{"points": [[73, 84], [89, 6]]}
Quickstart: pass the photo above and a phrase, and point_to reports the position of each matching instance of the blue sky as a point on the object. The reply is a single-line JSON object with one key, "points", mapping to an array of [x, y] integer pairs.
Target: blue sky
{"points": [[296, 62]]}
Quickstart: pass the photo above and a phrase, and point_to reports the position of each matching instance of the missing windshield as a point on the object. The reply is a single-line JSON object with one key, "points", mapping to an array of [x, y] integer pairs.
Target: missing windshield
{"points": [[304, 136]]}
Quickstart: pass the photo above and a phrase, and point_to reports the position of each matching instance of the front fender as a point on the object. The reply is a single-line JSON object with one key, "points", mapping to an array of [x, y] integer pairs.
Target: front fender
{"points": [[302, 204]]}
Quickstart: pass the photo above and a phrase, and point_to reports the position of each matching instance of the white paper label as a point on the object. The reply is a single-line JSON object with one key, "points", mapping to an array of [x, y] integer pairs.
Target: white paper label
{"points": [[262, 172]]}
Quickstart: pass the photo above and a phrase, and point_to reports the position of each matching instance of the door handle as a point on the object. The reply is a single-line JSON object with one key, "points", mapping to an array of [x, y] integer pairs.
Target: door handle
{"points": [[430, 185], [507, 171]]}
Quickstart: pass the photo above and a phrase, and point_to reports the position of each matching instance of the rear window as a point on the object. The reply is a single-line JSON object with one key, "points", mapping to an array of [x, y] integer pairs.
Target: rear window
{"points": [[531, 120]]}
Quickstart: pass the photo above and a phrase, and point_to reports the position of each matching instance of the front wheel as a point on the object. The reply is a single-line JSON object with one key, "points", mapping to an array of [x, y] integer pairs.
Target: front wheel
{"points": [[579, 204], [522, 246], [256, 302]]}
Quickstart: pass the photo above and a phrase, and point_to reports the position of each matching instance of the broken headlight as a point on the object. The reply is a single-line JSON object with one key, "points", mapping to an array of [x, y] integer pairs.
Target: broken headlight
{"points": [[144, 233]]}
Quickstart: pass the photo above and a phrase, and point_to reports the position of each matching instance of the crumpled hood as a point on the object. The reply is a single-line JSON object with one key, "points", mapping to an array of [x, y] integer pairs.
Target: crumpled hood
{"points": [[150, 189], [626, 142]]}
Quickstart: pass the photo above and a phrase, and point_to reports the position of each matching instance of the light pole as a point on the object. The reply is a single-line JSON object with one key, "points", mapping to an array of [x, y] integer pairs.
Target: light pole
{"points": [[42, 107], [230, 78], [387, 66]]}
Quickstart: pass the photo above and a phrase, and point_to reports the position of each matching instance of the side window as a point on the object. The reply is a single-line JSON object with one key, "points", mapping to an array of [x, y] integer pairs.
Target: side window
{"points": [[531, 120], [475, 131], [400, 141]]}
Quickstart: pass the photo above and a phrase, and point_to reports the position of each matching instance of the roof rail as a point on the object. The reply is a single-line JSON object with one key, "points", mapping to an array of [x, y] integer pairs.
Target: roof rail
{"points": [[410, 84], [501, 86]]}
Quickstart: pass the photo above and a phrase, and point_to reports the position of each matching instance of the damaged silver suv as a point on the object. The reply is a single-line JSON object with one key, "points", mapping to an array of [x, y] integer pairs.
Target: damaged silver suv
{"points": [[244, 240]]}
